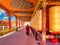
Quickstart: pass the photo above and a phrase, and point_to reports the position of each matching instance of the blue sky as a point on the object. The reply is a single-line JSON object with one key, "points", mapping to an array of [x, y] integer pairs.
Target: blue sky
{"points": [[4, 15], [13, 18]]}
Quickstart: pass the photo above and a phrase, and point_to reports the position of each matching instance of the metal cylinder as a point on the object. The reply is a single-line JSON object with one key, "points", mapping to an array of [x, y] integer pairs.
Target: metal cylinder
{"points": [[36, 21], [54, 19]]}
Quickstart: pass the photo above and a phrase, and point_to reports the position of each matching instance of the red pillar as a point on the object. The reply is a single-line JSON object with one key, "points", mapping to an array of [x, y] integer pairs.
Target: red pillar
{"points": [[16, 22], [19, 22], [9, 22], [44, 22]]}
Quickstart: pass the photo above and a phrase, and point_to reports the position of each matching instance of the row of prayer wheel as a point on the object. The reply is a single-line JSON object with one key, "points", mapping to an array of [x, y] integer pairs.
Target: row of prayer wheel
{"points": [[54, 20]]}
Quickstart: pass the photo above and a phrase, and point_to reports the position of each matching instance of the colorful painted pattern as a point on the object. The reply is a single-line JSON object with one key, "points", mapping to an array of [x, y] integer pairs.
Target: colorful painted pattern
{"points": [[22, 4]]}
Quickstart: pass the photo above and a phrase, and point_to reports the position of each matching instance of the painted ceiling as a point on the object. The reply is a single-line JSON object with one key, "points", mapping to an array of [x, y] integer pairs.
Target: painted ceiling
{"points": [[53, 0], [18, 5], [23, 4], [23, 14]]}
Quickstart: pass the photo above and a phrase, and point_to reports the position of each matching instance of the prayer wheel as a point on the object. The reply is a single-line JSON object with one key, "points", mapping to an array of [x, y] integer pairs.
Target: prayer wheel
{"points": [[54, 19], [36, 21]]}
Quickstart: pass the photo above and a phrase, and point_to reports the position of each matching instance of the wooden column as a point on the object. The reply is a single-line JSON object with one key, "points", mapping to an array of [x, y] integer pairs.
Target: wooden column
{"points": [[19, 22], [44, 22], [16, 22], [9, 22]]}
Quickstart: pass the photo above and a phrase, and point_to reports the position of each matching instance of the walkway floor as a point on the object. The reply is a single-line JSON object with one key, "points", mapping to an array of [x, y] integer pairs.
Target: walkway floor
{"points": [[18, 38]]}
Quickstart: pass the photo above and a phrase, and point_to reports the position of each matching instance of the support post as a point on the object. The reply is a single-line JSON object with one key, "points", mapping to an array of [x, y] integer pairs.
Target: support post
{"points": [[9, 22], [44, 22], [19, 23], [16, 23]]}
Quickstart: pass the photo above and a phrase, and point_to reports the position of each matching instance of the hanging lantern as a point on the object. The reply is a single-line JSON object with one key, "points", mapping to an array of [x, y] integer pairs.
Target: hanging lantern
{"points": [[54, 19]]}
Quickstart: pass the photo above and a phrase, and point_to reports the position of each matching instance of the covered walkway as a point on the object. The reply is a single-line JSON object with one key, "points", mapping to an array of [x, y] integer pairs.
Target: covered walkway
{"points": [[42, 15], [19, 38]]}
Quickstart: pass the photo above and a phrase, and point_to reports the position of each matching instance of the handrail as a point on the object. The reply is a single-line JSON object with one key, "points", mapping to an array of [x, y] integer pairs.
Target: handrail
{"points": [[38, 36]]}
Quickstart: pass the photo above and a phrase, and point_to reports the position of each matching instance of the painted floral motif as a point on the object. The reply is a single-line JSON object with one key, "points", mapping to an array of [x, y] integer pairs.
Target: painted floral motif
{"points": [[24, 4]]}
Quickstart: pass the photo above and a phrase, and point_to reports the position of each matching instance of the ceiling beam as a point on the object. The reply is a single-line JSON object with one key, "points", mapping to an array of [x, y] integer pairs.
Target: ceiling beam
{"points": [[53, 3], [3, 8], [22, 14], [36, 6]]}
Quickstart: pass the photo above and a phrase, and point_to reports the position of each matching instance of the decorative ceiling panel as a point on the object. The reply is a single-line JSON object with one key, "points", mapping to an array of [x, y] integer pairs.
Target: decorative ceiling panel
{"points": [[25, 18], [19, 5], [22, 4], [53, 0]]}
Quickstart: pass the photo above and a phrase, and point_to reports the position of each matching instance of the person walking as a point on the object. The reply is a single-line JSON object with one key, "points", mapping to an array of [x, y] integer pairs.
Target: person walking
{"points": [[27, 29]]}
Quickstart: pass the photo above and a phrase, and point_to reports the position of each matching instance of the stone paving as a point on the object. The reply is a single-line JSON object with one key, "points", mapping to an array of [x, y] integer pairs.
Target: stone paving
{"points": [[18, 38]]}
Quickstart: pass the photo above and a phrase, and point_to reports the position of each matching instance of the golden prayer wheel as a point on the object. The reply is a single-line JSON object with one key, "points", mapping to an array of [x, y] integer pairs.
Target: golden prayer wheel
{"points": [[36, 21], [54, 19]]}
